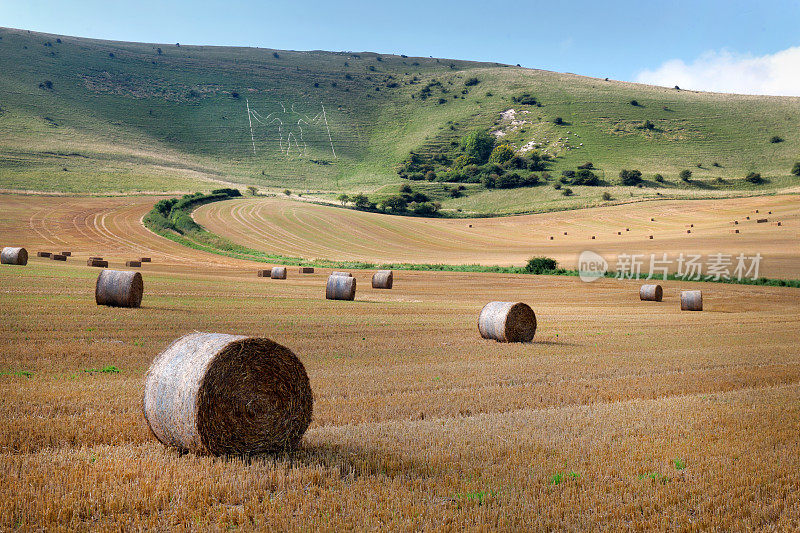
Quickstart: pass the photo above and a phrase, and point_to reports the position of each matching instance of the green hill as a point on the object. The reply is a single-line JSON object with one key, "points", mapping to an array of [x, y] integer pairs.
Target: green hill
{"points": [[82, 115]]}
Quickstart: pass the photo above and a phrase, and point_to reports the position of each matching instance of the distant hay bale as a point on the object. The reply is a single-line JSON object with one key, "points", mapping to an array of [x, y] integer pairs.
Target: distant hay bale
{"points": [[278, 273], [340, 288], [507, 322], [777, 223], [735, 221], [306, 270], [383, 279], [346, 274], [97, 263], [14, 256], [265, 273], [43, 254], [565, 233], [95, 259], [551, 237], [761, 220], [651, 236], [212, 393], [58, 257], [619, 233], [68, 254], [688, 231], [593, 237], [133, 263], [651, 293], [145, 259], [119, 288], [691, 301]]}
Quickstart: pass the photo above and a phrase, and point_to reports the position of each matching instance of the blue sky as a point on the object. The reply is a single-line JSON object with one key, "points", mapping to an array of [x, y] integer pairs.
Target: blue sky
{"points": [[629, 40]]}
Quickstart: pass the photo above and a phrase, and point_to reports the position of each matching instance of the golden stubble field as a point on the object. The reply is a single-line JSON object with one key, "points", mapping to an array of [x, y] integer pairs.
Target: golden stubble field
{"points": [[621, 414], [297, 229]]}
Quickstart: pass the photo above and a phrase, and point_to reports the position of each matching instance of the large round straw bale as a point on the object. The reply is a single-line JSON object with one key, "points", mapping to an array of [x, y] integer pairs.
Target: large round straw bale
{"points": [[14, 256], [340, 288], [651, 293], [119, 288], [278, 273], [336, 273], [227, 394], [691, 301], [265, 273], [507, 322], [382, 279]]}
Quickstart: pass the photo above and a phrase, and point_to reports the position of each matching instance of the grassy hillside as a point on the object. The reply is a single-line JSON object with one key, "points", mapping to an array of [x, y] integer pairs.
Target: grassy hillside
{"points": [[145, 117]]}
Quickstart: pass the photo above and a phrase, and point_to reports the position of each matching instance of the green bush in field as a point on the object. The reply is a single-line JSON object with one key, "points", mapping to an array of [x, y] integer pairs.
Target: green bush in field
{"points": [[541, 265]]}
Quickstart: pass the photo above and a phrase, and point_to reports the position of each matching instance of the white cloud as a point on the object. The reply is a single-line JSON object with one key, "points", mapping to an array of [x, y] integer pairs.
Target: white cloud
{"points": [[723, 71]]}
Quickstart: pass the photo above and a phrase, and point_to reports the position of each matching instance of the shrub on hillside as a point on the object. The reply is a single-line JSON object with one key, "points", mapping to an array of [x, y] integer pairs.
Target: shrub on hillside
{"points": [[776, 139], [659, 178], [606, 196], [685, 174], [630, 177], [395, 203], [558, 121], [567, 192], [478, 145], [754, 177], [588, 165], [501, 154], [229, 192], [472, 81], [796, 169], [585, 177]]}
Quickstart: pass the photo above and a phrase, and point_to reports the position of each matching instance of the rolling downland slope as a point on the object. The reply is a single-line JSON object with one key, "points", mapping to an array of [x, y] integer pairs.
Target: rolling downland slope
{"points": [[88, 116]]}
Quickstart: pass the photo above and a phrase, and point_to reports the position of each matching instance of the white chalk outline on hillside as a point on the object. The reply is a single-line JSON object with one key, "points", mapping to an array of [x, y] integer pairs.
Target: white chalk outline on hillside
{"points": [[318, 119]]}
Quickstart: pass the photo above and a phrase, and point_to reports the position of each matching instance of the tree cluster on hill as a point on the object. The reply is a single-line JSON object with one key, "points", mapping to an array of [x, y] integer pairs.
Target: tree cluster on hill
{"points": [[478, 160]]}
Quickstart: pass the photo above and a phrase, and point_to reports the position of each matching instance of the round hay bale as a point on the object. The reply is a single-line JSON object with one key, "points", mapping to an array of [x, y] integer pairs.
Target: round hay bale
{"points": [[212, 393], [507, 322], [691, 301], [58, 257], [119, 288], [346, 274], [133, 263], [651, 293], [383, 279], [306, 270], [43, 254], [265, 273], [14, 256], [97, 263], [340, 288], [278, 273]]}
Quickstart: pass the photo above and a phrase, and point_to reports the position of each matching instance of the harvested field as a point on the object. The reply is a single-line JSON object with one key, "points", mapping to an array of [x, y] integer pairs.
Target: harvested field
{"points": [[603, 421], [313, 231]]}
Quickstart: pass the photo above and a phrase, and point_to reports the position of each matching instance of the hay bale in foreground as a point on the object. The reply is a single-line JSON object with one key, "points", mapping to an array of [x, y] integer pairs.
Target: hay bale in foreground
{"points": [[14, 256], [58, 257], [43, 254], [691, 301], [383, 279], [265, 273], [651, 293], [340, 288], [213, 393], [306, 270], [119, 288], [97, 263], [336, 273], [507, 322], [278, 273], [133, 263]]}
